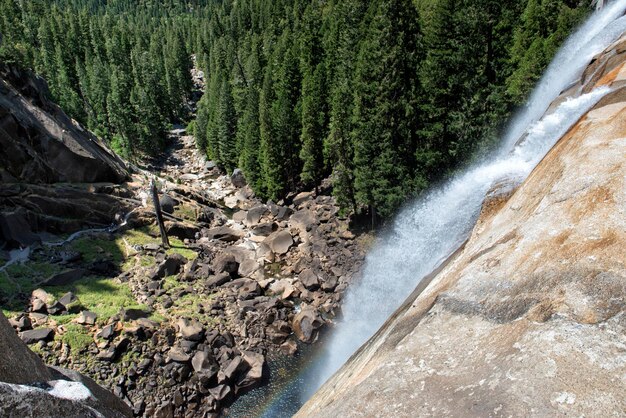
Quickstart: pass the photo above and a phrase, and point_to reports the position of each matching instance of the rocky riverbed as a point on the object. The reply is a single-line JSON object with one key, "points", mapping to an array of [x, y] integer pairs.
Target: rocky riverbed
{"points": [[185, 331]]}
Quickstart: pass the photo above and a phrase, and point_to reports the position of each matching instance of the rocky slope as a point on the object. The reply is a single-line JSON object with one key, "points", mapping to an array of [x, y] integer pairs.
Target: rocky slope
{"points": [[528, 318], [29, 388], [181, 331]]}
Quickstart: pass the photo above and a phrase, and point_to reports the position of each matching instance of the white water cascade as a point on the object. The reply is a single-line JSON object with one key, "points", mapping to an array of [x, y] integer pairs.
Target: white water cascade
{"points": [[430, 229]]}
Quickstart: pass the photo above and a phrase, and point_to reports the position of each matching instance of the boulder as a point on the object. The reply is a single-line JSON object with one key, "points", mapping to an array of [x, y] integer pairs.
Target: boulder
{"points": [[69, 301], [170, 266], [107, 332], [225, 263], [42, 295], [238, 179], [210, 216], [223, 233], [21, 323], [35, 335], [248, 268], [309, 279], [279, 242], [240, 216], [181, 230], [190, 329], [86, 318], [218, 279], [289, 347], [255, 214], [55, 308], [285, 288], [236, 366], [264, 229], [254, 375], [221, 393], [177, 355], [329, 283], [305, 220], [204, 363], [132, 314], [302, 197], [305, 323]]}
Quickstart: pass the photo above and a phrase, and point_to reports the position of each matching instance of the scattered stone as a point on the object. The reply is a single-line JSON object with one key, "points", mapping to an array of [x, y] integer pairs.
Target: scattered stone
{"points": [[305, 323], [309, 279], [190, 329], [21, 323], [255, 214], [178, 355], [238, 179], [181, 230], [86, 318], [223, 233], [302, 197], [279, 242], [226, 263], [218, 280], [170, 266], [35, 335]]}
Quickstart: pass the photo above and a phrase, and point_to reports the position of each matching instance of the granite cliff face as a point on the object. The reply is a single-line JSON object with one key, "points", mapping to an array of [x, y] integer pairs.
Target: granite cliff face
{"points": [[528, 318], [39, 143], [54, 175]]}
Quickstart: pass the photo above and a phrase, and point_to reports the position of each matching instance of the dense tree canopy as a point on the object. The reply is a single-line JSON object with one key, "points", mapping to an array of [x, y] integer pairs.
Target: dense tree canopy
{"points": [[383, 97]]}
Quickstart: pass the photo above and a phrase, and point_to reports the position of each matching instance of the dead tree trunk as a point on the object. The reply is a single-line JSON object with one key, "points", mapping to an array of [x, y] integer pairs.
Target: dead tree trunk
{"points": [[159, 214]]}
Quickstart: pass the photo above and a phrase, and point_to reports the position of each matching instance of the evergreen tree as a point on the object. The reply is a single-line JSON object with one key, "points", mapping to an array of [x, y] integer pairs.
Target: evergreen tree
{"points": [[385, 114]]}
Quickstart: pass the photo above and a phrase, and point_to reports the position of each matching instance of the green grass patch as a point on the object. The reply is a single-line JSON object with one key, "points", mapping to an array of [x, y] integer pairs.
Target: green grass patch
{"points": [[95, 249], [76, 337], [177, 246], [104, 297], [186, 212]]}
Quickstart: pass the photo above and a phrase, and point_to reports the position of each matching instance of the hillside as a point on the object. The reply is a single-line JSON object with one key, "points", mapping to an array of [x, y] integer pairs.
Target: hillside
{"points": [[86, 283], [528, 317]]}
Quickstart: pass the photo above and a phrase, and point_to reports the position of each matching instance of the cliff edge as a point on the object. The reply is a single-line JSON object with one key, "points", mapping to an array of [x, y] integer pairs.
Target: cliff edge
{"points": [[528, 319]]}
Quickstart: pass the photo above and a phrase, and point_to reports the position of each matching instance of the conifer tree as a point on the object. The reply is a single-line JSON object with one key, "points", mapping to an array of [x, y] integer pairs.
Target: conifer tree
{"points": [[385, 114]]}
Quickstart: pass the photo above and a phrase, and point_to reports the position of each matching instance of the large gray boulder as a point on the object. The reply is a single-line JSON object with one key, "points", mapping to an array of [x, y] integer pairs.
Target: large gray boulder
{"points": [[279, 242]]}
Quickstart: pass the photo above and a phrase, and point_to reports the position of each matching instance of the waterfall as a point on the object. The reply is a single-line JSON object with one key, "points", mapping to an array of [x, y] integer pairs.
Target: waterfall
{"points": [[431, 228]]}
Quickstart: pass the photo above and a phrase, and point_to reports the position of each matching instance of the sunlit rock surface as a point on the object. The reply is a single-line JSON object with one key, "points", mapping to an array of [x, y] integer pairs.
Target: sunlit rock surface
{"points": [[528, 318]]}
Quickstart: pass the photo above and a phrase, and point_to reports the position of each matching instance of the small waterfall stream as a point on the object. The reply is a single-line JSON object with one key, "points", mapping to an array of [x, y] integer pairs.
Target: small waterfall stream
{"points": [[431, 228]]}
